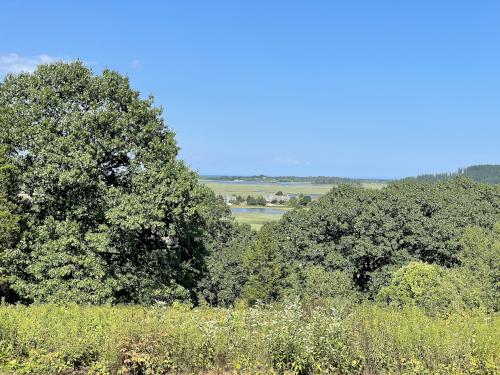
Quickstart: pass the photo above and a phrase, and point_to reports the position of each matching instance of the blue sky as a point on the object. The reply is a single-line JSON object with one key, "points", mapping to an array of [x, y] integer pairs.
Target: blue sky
{"points": [[346, 88]]}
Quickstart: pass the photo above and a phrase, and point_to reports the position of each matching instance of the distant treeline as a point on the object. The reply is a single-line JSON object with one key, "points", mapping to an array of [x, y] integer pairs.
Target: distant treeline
{"points": [[327, 180], [488, 173]]}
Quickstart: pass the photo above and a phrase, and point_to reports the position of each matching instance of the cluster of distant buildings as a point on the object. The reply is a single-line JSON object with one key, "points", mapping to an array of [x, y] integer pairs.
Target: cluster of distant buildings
{"points": [[277, 198], [270, 198]]}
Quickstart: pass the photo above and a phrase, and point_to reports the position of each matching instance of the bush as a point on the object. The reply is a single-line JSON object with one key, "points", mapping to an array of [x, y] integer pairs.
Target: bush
{"points": [[481, 265], [429, 286], [256, 201]]}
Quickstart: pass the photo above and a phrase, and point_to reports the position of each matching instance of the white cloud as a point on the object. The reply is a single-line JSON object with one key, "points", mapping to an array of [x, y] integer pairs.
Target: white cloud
{"points": [[14, 63], [134, 64]]}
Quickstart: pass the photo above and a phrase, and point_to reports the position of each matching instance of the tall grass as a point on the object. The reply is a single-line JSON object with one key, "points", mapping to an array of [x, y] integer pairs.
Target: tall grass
{"points": [[288, 338]]}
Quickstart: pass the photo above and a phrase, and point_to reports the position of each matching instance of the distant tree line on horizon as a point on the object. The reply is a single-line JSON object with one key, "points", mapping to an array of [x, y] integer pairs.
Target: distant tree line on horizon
{"points": [[320, 180], [488, 173]]}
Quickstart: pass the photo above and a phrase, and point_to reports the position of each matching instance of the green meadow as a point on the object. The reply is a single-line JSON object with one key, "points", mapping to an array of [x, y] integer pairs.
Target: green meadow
{"points": [[244, 189], [258, 219], [373, 185]]}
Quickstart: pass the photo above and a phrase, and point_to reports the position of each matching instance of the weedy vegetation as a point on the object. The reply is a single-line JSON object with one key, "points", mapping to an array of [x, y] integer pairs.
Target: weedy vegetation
{"points": [[283, 338]]}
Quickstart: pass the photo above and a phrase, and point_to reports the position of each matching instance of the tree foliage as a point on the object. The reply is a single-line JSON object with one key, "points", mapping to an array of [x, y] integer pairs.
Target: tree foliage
{"points": [[112, 215], [369, 234], [318, 283], [428, 286], [9, 224], [226, 274], [256, 201], [481, 264], [96, 207], [263, 268], [488, 173], [9, 220]]}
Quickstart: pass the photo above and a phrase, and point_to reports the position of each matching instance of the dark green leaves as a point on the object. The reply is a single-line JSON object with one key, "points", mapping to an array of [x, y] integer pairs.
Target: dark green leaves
{"points": [[371, 233], [111, 214]]}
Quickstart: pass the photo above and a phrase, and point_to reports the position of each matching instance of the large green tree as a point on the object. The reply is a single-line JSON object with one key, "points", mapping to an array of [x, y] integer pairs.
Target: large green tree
{"points": [[112, 215]]}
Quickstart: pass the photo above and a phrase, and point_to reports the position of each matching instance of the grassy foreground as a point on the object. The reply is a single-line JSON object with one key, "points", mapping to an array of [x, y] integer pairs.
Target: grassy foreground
{"points": [[365, 339]]}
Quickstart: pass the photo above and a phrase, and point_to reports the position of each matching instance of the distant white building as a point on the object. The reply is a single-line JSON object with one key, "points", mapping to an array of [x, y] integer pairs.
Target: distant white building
{"points": [[228, 199], [277, 198]]}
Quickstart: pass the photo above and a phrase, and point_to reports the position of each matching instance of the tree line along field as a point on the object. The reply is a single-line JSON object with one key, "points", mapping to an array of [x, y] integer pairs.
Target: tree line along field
{"points": [[116, 259]]}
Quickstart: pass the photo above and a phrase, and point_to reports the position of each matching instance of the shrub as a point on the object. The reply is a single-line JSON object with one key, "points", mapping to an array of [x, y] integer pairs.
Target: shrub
{"points": [[481, 265], [428, 286]]}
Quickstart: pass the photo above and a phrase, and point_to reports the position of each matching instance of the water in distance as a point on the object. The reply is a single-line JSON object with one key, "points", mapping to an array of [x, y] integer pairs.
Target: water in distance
{"points": [[257, 210]]}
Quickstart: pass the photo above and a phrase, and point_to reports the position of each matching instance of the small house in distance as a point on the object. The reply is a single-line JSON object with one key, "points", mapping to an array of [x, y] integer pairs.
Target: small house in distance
{"points": [[274, 198], [229, 199]]}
